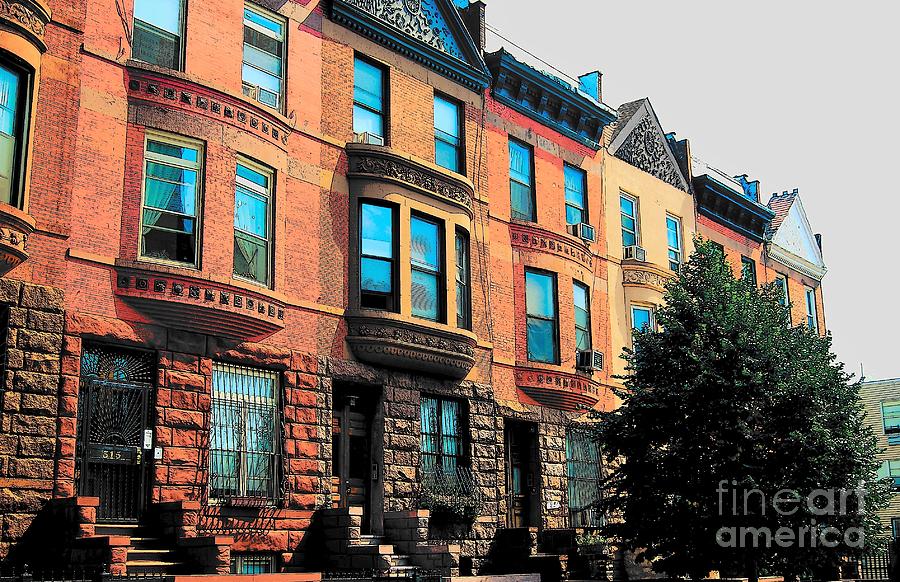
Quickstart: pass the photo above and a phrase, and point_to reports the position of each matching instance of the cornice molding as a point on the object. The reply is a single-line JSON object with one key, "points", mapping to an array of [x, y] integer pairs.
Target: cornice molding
{"points": [[384, 164], [734, 210], [799, 264], [548, 100], [402, 26]]}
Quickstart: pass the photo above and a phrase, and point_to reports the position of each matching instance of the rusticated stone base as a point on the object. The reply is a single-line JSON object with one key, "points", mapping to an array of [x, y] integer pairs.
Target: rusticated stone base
{"points": [[37, 416]]}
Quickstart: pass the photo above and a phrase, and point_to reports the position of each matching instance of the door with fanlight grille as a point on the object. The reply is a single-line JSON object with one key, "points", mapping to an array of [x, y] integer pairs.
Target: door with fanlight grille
{"points": [[113, 441]]}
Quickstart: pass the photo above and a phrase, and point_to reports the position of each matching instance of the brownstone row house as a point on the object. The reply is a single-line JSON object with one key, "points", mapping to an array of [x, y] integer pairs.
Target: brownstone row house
{"points": [[294, 285]]}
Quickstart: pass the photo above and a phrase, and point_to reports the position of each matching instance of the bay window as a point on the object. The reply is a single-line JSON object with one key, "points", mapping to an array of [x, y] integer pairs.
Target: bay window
{"points": [[15, 94], [642, 318], [463, 281], [252, 223], [158, 33], [378, 256], [542, 320], [169, 217], [426, 258], [262, 71], [244, 438]]}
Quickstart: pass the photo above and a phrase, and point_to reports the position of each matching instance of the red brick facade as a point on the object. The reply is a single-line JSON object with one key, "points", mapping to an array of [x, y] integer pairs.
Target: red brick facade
{"points": [[339, 367]]}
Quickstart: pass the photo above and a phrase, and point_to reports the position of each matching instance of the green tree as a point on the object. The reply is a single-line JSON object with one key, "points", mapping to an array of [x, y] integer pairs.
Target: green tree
{"points": [[728, 398]]}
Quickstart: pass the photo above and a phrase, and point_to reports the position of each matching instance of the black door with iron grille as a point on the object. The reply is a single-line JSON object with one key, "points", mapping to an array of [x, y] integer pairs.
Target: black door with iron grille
{"points": [[113, 443]]}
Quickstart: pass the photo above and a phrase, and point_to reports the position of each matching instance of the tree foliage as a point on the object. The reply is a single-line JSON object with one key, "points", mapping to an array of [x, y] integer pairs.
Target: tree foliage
{"points": [[728, 390]]}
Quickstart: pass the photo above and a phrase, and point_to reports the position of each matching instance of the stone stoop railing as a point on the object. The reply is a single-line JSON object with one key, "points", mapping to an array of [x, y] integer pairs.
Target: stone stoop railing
{"points": [[78, 544], [408, 531], [347, 548], [404, 546], [515, 551]]}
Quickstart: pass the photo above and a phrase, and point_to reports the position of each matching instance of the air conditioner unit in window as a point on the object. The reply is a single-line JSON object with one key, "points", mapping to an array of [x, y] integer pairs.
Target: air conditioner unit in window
{"points": [[583, 231], [589, 360], [261, 95], [635, 253], [368, 138], [251, 91]]}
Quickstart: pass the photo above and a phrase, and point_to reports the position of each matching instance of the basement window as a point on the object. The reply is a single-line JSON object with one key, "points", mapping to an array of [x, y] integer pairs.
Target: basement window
{"points": [[253, 563]]}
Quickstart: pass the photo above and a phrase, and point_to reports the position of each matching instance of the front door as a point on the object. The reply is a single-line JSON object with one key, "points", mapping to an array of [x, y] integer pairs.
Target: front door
{"points": [[352, 454], [113, 431], [521, 478]]}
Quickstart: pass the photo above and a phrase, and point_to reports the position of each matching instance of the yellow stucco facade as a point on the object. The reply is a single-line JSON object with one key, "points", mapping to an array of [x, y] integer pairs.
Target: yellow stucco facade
{"points": [[635, 283]]}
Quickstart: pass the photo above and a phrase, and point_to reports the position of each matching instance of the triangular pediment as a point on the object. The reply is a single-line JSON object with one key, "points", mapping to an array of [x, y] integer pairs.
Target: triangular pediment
{"points": [[428, 31], [639, 139], [795, 236]]}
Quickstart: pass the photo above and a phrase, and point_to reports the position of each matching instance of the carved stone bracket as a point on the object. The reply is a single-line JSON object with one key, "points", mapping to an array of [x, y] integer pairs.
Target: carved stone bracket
{"points": [[409, 346], [15, 228], [381, 163], [639, 274]]}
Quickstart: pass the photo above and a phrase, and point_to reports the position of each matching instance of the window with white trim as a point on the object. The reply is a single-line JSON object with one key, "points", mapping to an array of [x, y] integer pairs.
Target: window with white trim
{"points": [[812, 319], [628, 208], [642, 318], [262, 71], [673, 240]]}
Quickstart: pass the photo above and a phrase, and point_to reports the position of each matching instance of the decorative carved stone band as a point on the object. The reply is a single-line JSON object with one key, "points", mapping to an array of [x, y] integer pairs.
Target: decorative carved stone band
{"points": [[15, 228], [639, 274], [409, 346], [381, 163], [559, 390], [535, 239], [30, 16], [199, 305], [184, 95]]}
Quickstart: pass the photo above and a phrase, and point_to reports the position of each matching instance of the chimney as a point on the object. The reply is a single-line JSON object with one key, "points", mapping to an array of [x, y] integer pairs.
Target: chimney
{"points": [[751, 188], [473, 16], [591, 83]]}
